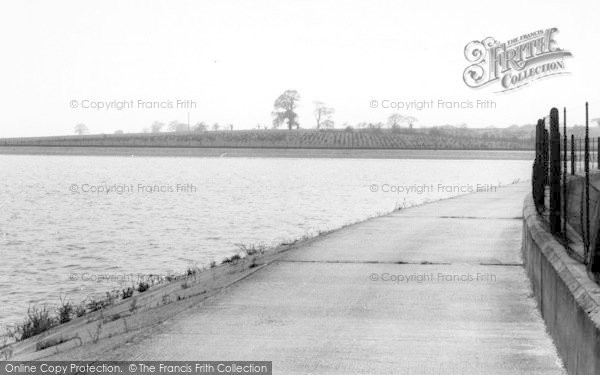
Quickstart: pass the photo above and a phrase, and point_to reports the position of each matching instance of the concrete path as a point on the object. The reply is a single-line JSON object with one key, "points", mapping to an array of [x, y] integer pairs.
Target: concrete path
{"points": [[435, 289]]}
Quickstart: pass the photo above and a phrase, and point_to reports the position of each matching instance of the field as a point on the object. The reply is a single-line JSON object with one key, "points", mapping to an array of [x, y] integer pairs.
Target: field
{"points": [[378, 139]]}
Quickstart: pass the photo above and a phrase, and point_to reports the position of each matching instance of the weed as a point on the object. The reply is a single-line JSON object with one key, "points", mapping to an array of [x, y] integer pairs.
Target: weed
{"points": [[126, 293], [142, 287], [80, 310], [38, 320], [232, 259], [95, 305], [65, 310], [252, 249]]}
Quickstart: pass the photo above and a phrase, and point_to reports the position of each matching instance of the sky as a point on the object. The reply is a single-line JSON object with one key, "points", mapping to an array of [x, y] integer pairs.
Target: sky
{"points": [[233, 58]]}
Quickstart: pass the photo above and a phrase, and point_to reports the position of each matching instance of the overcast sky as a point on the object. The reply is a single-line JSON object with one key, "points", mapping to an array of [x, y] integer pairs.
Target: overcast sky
{"points": [[233, 58]]}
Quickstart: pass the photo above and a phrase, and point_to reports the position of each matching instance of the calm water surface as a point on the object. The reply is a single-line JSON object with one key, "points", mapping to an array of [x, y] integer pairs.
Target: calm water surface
{"points": [[57, 236]]}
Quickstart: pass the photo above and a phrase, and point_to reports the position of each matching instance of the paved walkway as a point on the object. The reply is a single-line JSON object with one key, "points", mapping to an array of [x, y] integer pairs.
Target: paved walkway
{"points": [[331, 306]]}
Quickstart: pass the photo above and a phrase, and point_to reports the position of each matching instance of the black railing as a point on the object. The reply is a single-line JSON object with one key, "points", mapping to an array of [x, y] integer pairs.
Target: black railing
{"points": [[561, 170]]}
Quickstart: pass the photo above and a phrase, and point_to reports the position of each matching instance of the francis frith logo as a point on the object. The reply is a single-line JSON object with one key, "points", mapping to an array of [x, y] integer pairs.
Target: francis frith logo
{"points": [[515, 63]]}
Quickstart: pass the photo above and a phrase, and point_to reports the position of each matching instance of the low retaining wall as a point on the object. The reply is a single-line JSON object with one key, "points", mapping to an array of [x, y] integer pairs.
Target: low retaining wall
{"points": [[568, 299]]}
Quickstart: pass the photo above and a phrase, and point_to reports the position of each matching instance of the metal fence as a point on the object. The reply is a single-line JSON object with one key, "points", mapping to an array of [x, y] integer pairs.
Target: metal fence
{"points": [[562, 169]]}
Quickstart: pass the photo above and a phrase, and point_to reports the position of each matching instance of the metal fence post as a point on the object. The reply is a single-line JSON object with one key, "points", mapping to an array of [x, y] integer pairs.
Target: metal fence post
{"points": [[554, 178], [564, 175], [538, 178], [598, 153], [572, 154], [587, 182], [545, 144]]}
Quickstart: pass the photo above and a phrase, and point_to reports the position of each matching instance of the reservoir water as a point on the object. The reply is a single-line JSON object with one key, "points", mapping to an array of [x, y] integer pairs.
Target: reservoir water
{"points": [[77, 225]]}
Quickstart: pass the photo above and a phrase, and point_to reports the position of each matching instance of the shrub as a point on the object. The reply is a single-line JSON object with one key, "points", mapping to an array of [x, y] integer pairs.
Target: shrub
{"points": [[65, 311], [127, 293], [80, 310], [142, 287], [37, 321]]}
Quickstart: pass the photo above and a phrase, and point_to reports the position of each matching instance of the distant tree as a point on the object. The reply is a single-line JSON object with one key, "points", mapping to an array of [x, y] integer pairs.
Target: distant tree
{"points": [[81, 129], [410, 121], [323, 115], [156, 126], [327, 124], [375, 125], [394, 120], [200, 127], [230, 126], [176, 126], [285, 106], [118, 131], [146, 130], [216, 126]]}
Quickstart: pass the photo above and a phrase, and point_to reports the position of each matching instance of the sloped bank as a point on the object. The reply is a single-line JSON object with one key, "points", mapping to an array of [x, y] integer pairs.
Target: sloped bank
{"points": [[568, 298]]}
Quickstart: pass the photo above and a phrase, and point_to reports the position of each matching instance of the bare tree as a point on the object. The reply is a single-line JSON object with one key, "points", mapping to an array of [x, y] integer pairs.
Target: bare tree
{"points": [[284, 106], [156, 126], [200, 127], [118, 131], [216, 126], [410, 121], [176, 126], [394, 120], [323, 115], [81, 129]]}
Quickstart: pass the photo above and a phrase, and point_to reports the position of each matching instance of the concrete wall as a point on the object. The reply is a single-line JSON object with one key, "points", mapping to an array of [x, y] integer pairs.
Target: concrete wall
{"points": [[568, 298]]}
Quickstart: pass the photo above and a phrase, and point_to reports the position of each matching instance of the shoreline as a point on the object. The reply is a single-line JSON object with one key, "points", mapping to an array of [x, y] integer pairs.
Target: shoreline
{"points": [[231, 258], [270, 152], [163, 300], [233, 301]]}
